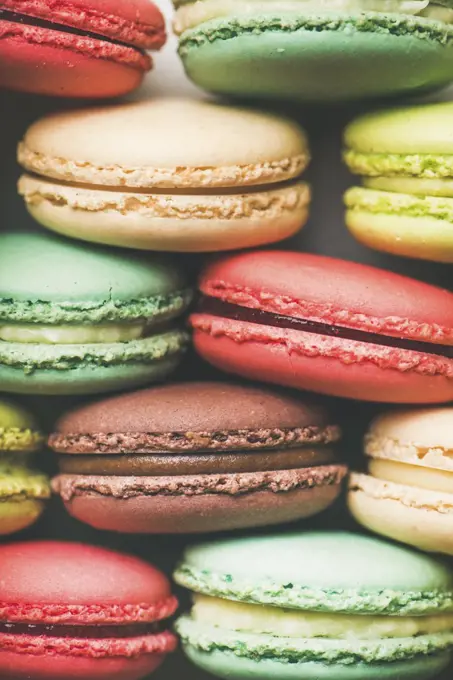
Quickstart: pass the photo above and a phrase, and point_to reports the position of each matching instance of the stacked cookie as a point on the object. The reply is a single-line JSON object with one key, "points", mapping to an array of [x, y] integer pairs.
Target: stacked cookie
{"points": [[231, 406]]}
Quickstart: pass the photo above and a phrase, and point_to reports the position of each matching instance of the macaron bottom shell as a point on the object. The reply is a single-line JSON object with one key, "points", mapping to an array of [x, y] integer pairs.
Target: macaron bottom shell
{"points": [[414, 516], [166, 221], [37, 67], [275, 359], [424, 237], [16, 515], [226, 664], [330, 58], [176, 514], [100, 373], [76, 666]]}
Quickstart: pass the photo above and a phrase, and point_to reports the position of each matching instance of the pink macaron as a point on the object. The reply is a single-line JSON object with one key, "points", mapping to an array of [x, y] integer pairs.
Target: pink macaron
{"points": [[326, 325], [76, 612], [77, 48]]}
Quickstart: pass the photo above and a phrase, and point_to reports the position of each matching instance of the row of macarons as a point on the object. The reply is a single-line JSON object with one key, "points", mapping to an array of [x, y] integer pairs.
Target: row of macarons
{"points": [[265, 606], [78, 319], [196, 176], [302, 50], [202, 457]]}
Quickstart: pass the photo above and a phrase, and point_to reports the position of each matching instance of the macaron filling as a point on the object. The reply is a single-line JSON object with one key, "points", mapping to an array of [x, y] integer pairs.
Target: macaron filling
{"points": [[292, 623], [411, 185], [166, 464], [218, 308], [191, 14], [95, 642], [72, 335], [17, 17], [407, 474], [98, 632]]}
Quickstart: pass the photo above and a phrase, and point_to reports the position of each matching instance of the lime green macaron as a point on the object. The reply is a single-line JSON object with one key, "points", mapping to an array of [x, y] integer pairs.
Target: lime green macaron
{"points": [[78, 319], [324, 605], [405, 156], [23, 491]]}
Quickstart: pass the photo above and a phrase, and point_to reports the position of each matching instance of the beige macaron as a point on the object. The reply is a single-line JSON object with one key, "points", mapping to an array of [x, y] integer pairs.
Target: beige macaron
{"points": [[408, 493], [168, 174]]}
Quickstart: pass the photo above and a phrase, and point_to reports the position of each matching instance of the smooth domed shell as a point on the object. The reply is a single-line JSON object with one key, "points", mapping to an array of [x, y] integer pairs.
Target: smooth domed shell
{"points": [[165, 143], [327, 571], [409, 130], [53, 573], [430, 427], [43, 267], [15, 416], [196, 407]]}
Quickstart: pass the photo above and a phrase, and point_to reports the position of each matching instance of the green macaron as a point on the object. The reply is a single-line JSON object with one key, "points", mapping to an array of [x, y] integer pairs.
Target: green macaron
{"points": [[316, 50], [333, 606], [405, 156], [23, 491], [77, 319]]}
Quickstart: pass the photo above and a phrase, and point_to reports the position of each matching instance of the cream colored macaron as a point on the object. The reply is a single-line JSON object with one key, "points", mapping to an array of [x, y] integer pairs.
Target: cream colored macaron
{"points": [[168, 174], [408, 493]]}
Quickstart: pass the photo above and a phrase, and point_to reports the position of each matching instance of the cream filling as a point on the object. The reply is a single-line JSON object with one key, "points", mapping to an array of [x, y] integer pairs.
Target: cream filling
{"points": [[72, 335], [301, 624], [418, 476], [411, 185], [192, 14]]}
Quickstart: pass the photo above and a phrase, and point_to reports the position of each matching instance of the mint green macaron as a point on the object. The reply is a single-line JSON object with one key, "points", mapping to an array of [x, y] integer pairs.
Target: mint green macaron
{"points": [[316, 50], [23, 490], [333, 606], [405, 159], [78, 319]]}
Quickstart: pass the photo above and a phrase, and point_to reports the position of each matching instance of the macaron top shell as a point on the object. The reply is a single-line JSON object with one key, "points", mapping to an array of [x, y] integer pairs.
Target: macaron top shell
{"points": [[332, 291], [45, 267], [197, 407], [417, 436], [18, 429], [334, 572], [406, 130], [135, 22], [71, 583], [166, 143], [67, 281]]}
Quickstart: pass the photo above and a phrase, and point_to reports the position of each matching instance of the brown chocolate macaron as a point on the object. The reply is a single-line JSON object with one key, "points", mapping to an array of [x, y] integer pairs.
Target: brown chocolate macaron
{"points": [[196, 457]]}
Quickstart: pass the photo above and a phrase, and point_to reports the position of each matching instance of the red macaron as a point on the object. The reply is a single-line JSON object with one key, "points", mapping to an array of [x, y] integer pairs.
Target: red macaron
{"points": [[327, 325], [77, 48], [70, 611]]}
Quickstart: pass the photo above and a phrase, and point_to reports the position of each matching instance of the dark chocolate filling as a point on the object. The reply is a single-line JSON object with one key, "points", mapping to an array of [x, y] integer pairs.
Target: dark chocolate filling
{"points": [[216, 307], [168, 465], [87, 632], [27, 20]]}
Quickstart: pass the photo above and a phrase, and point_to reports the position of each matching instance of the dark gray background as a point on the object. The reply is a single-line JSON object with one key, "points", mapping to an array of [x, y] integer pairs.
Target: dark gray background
{"points": [[325, 233]]}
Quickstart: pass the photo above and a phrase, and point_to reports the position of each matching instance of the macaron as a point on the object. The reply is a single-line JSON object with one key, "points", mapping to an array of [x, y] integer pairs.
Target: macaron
{"points": [[330, 605], [408, 491], [170, 174], [197, 457], [23, 490], [79, 320], [316, 50], [326, 325], [77, 48], [405, 157], [73, 611]]}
